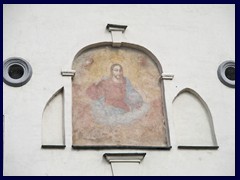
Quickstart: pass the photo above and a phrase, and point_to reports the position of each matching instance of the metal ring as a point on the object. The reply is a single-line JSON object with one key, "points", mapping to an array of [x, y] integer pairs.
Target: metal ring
{"points": [[222, 76], [23, 79]]}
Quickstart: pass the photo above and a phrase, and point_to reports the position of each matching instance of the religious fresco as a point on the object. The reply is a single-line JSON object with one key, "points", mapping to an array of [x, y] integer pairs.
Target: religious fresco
{"points": [[117, 99]]}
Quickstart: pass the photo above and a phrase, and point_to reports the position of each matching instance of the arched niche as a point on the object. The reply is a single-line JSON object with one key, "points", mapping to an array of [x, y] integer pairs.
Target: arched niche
{"points": [[193, 121], [53, 121], [118, 111]]}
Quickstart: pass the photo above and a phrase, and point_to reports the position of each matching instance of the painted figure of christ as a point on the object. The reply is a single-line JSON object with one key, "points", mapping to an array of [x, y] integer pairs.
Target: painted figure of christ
{"points": [[115, 100]]}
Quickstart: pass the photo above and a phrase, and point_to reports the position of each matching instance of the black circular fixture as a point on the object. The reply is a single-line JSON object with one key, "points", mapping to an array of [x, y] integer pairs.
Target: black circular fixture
{"points": [[230, 73], [226, 73], [16, 71]]}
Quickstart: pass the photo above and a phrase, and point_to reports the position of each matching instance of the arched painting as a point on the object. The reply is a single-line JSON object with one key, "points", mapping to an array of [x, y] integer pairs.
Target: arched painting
{"points": [[118, 100]]}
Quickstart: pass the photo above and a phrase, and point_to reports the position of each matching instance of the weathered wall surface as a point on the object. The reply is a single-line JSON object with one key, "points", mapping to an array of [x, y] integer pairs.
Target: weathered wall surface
{"points": [[190, 41]]}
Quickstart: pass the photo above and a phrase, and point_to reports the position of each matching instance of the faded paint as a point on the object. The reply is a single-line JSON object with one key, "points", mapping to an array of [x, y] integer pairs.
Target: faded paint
{"points": [[190, 41], [123, 124]]}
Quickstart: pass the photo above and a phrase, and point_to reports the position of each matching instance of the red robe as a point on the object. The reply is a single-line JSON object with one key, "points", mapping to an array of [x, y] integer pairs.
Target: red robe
{"points": [[114, 93]]}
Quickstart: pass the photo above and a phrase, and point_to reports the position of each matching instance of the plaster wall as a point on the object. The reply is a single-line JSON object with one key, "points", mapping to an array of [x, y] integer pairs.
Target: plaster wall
{"points": [[190, 41]]}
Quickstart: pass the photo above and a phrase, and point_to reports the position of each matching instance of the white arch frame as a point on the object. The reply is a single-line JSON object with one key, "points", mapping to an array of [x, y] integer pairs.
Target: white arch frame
{"points": [[215, 144], [161, 84]]}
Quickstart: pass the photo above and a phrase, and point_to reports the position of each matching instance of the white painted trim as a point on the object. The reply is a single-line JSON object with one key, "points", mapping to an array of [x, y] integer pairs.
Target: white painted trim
{"points": [[68, 72], [124, 157], [166, 76]]}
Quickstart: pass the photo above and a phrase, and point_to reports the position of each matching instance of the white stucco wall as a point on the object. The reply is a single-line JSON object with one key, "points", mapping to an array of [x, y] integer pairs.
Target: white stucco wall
{"points": [[190, 41]]}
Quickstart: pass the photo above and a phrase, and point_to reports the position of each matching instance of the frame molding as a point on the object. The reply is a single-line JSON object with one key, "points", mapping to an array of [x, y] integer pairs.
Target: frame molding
{"points": [[124, 157], [161, 85]]}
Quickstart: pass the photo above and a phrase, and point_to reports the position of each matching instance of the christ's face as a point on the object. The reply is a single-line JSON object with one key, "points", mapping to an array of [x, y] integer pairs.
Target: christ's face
{"points": [[117, 72]]}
